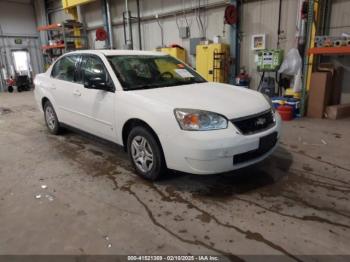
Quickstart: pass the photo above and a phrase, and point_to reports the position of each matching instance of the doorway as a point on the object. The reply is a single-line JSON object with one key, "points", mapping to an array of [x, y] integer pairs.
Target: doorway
{"points": [[22, 63]]}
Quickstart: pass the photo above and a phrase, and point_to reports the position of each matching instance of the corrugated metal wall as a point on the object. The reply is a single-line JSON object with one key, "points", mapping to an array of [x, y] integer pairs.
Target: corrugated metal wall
{"points": [[17, 21], [262, 17], [151, 36], [340, 17], [340, 23], [258, 17]]}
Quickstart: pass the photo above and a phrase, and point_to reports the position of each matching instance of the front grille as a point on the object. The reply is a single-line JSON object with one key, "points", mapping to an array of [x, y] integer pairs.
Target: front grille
{"points": [[265, 145], [255, 123]]}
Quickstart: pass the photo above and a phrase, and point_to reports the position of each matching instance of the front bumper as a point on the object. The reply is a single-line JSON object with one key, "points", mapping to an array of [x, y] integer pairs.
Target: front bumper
{"points": [[212, 152]]}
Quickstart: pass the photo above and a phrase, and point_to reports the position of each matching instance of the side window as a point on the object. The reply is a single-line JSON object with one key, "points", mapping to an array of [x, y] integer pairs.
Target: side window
{"points": [[65, 68], [55, 70], [93, 69]]}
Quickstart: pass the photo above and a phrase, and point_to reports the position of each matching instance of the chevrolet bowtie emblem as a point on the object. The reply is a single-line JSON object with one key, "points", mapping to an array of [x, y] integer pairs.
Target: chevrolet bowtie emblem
{"points": [[260, 122]]}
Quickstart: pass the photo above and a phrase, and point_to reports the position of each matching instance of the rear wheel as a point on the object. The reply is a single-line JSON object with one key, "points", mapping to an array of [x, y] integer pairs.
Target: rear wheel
{"points": [[51, 119], [145, 153]]}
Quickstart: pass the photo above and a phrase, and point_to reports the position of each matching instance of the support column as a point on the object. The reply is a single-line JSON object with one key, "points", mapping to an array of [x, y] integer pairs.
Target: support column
{"points": [[234, 44]]}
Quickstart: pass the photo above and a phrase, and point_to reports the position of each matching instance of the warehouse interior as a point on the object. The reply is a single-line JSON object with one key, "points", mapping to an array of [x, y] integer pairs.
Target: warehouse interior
{"points": [[78, 194]]}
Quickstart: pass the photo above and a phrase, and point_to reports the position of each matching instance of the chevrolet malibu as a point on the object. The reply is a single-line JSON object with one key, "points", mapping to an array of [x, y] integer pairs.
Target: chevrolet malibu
{"points": [[160, 110]]}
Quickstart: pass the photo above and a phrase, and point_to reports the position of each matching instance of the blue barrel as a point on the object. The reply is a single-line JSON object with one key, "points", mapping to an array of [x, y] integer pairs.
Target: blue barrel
{"points": [[278, 101]]}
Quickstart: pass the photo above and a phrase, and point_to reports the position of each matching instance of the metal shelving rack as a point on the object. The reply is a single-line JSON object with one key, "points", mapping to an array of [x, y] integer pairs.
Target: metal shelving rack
{"points": [[317, 24], [67, 36]]}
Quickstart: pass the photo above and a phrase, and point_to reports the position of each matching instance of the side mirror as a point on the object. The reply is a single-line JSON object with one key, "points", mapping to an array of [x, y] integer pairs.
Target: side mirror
{"points": [[97, 83]]}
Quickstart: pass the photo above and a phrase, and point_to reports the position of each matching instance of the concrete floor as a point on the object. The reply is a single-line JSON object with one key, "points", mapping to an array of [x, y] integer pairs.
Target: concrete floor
{"points": [[295, 203]]}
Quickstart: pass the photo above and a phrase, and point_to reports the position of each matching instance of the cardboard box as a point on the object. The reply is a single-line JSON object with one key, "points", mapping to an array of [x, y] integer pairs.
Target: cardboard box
{"points": [[319, 94], [338, 111], [337, 79]]}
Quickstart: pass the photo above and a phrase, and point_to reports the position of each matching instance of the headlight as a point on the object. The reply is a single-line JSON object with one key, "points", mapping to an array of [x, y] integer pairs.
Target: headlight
{"points": [[199, 120], [268, 99]]}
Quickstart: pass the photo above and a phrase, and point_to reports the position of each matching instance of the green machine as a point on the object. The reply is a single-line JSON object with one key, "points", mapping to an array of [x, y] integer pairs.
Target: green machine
{"points": [[269, 60]]}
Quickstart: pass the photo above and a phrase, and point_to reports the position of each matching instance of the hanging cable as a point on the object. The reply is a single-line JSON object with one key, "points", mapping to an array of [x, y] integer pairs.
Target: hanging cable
{"points": [[161, 30], [201, 25], [279, 32]]}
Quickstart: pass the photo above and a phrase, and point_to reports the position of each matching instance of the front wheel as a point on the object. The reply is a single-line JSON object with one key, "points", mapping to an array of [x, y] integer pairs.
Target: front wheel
{"points": [[145, 153], [51, 119]]}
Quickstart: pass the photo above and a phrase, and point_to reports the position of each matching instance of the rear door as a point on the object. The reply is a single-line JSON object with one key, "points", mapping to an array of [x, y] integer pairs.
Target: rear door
{"points": [[97, 106], [66, 90]]}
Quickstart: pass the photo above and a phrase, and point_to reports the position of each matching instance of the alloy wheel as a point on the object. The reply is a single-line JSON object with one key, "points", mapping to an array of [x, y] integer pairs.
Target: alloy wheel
{"points": [[142, 153], [50, 117]]}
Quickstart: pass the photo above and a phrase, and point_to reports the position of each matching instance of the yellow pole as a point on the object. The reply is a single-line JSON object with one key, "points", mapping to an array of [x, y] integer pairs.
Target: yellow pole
{"points": [[312, 43], [74, 13]]}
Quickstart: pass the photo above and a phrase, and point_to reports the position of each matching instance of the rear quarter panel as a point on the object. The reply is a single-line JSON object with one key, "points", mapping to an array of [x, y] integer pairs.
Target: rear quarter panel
{"points": [[42, 90]]}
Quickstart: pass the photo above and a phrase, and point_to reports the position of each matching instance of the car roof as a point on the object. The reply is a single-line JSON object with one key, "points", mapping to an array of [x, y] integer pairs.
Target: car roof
{"points": [[110, 52]]}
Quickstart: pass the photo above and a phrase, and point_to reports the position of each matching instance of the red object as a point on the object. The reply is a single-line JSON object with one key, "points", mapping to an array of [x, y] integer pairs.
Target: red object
{"points": [[243, 76], [231, 15], [49, 27], [10, 82], [176, 45], [101, 34], [45, 47], [286, 112], [305, 10]]}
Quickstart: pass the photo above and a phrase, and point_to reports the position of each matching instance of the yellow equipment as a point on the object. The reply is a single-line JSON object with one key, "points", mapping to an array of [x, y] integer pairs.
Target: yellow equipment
{"points": [[290, 92], [71, 8], [212, 62], [176, 52], [73, 3]]}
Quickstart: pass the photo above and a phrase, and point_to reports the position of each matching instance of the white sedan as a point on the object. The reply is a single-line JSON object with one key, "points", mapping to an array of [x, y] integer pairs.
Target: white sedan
{"points": [[164, 113]]}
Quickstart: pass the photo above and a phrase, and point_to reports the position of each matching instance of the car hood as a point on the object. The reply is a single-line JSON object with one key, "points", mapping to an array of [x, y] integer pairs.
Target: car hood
{"points": [[228, 100]]}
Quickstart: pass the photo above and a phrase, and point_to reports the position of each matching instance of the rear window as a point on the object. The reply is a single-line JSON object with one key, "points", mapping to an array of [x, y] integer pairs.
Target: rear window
{"points": [[65, 68]]}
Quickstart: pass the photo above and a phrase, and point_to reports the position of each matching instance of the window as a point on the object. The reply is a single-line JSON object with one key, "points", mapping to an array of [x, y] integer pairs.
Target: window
{"points": [[65, 68], [142, 72], [93, 69]]}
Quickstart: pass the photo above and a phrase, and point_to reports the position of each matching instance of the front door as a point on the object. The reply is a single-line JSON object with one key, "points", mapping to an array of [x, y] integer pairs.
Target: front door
{"points": [[98, 106]]}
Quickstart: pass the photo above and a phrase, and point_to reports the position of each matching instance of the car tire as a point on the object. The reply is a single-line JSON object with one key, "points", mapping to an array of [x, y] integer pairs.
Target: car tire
{"points": [[51, 119], [145, 153]]}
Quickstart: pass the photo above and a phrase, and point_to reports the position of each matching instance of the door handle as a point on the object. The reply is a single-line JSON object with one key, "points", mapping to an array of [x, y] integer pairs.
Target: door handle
{"points": [[77, 93]]}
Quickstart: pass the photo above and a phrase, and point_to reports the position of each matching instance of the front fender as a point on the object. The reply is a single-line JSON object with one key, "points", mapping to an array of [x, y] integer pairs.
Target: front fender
{"points": [[159, 117]]}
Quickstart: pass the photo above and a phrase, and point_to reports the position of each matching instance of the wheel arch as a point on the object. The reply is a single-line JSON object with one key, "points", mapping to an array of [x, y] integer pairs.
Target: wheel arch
{"points": [[43, 101], [134, 122]]}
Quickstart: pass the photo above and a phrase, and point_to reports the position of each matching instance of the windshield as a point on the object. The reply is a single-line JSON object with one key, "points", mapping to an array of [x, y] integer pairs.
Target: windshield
{"points": [[143, 72]]}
